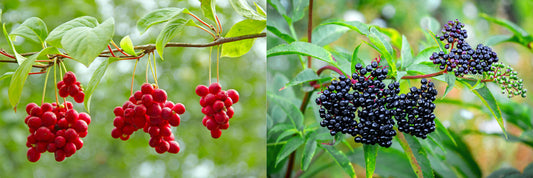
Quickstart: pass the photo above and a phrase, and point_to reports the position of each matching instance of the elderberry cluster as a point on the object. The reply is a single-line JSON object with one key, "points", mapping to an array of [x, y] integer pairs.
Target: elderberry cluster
{"points": [[415, 110], [462, 58], [366, 94], [507, 78]]}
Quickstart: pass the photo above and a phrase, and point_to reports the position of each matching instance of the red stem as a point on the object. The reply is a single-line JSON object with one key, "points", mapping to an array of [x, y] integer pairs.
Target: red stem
{"points": [[309, 30], [322, 69], [120, 50], [112, 53], [8, 55], [424, 76]]}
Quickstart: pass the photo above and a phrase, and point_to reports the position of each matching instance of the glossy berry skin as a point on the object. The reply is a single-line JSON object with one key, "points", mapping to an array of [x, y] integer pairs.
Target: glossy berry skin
{"points": [[149, 110], [417, 116], [69, 86], [217, 107], [55, 129]]}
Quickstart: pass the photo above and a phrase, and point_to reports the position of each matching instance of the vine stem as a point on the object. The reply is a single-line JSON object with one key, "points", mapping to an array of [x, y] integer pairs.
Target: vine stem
{"points": [[112, 53], [309, 30], [116, 47]]}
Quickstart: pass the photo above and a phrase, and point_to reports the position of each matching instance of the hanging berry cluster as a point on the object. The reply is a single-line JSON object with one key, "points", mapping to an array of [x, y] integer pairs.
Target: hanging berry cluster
{"points": [[57, 128], [69, 86], [375, 104], [216, 105], [148, 109]]}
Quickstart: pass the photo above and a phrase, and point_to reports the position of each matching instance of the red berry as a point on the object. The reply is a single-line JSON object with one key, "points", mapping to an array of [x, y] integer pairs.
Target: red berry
{"points": [[203, 103], [215, 133], [140, 110], [51, 147], [71, 116], [34, 122], [234, 95], [36, 111], [82, 134], [79, 97], [124, 137], [47, 107], [214, 88], [204, 120], [221, 95], [33, 155], [71, 134], [202, 90], [48, 118], [73, 90], [68, 105], [155, 141], [70, 149], [230, 112], [218, 105], [62, 123], [159, 95], [80, 126], [209, 99], [211, 124], [118, 111], [224, 126], [165, 131], [115, 133], [179, 108], [60, 155], [69, 78], [78, 143], [166, 113], [228, 102], [147, 88], [41, 147], [63, 91], [60, 84], [85, 117], [174, 120], [138, 95], [139, 122], [174, 147], [163, 147], [153, 131], [29, 107], [128, 130], [154, 110], [168, 104], [43, 134], [147, 99]]}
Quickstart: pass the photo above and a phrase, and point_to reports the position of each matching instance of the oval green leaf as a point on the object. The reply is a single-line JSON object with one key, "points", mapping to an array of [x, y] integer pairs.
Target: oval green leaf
{"points": [[156, 17], [245, 27], [242, 8], [55, 36], [302, 48], [340, 158], [170, 31], [33, 29], [127, 45]]}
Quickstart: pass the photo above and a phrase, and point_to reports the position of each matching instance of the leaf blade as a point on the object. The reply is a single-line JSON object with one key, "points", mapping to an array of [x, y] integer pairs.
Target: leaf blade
{"points": [[55, 36], [371, 152], [302, 48], [341, 159], [170, 31], [33, 29], [156, 17], [244, 27]]}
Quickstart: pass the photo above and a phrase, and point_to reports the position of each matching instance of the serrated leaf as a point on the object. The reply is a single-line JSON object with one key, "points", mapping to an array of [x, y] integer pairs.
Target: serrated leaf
{"points": [[6, 75], [18, 57], [156, 17], [450, 80], [302, 48], [355, 59], [33, 29], [416, 154], [208, 9], [95, 80], [20, 75], [84, 44], [260, 10], [242, 8], [280, 34], [325, 34], [292, 144], [127, 45], [292, 111], [407, 54], [371, 152], [306, 75], [170, 31], [309, 150], [55, 36], [489, 101], [245, 27], [340, 158]]}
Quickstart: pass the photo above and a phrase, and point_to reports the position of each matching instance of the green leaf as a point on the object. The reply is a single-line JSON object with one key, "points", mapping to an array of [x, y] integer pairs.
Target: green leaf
{"points": [[158, 16], [355, 59], [306, 75], [425, 68], [242, 8], [325, 34], [488, 100], [55, 36], [245, 27], [505, 172], [33, 29], [208, 9], [290, 147], [423, 56], [299, 7], [6, 75], [286, 133], [407, 55], [340, 158], [416, 154], [371, 152], [260, 10], [84, 44], [393, 34], [170, 31], [442, 129], [309, 150], [383, 47], [450, 79], [515, 29], [127, 45], [293, 113], [399, 75], [430, 23], [280, 34], [302, 48], [20, 59], [360, 27], [95, 80], [497, 39], [18, 78]]}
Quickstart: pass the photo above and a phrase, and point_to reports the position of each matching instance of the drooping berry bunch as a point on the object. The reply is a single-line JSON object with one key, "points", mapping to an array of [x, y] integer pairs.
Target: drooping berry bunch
{"points": [[217, 107], [507, 78], [70, 86], [415, 110], [366, 94], [55, 128], [148, 109], [462, 58]]}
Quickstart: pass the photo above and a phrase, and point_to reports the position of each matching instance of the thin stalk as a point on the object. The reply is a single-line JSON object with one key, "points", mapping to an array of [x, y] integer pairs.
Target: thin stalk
{"points": [[45, 84], [212, 34], [201, 21], [55, 81], [133, 77], [218, 54], [210, 53], [309, 30], [112, 53], [155, 70], [147, 67], [219, 25], [120, 50]]}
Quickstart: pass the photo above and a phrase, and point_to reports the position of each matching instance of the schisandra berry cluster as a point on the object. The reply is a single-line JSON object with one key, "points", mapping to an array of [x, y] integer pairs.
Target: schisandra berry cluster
{"points": [[69, 86], [216, 105], [148, 109], [415, 110], [462, 58], [507, 78], [56, 129], [375, 104]]}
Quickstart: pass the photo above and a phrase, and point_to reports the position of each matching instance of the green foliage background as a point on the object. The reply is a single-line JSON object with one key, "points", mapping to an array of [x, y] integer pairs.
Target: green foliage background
{"points": [[239, 152]]}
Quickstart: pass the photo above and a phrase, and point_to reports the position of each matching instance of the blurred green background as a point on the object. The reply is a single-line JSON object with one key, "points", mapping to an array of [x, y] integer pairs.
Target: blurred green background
{"points": [[410, 18], [240, 152]]}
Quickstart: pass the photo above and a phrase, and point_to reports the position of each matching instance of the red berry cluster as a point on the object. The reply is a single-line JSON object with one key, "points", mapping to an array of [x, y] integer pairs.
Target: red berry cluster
{"points": [[216, 105], [149, 109], [69, 86], [56, 129]]}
